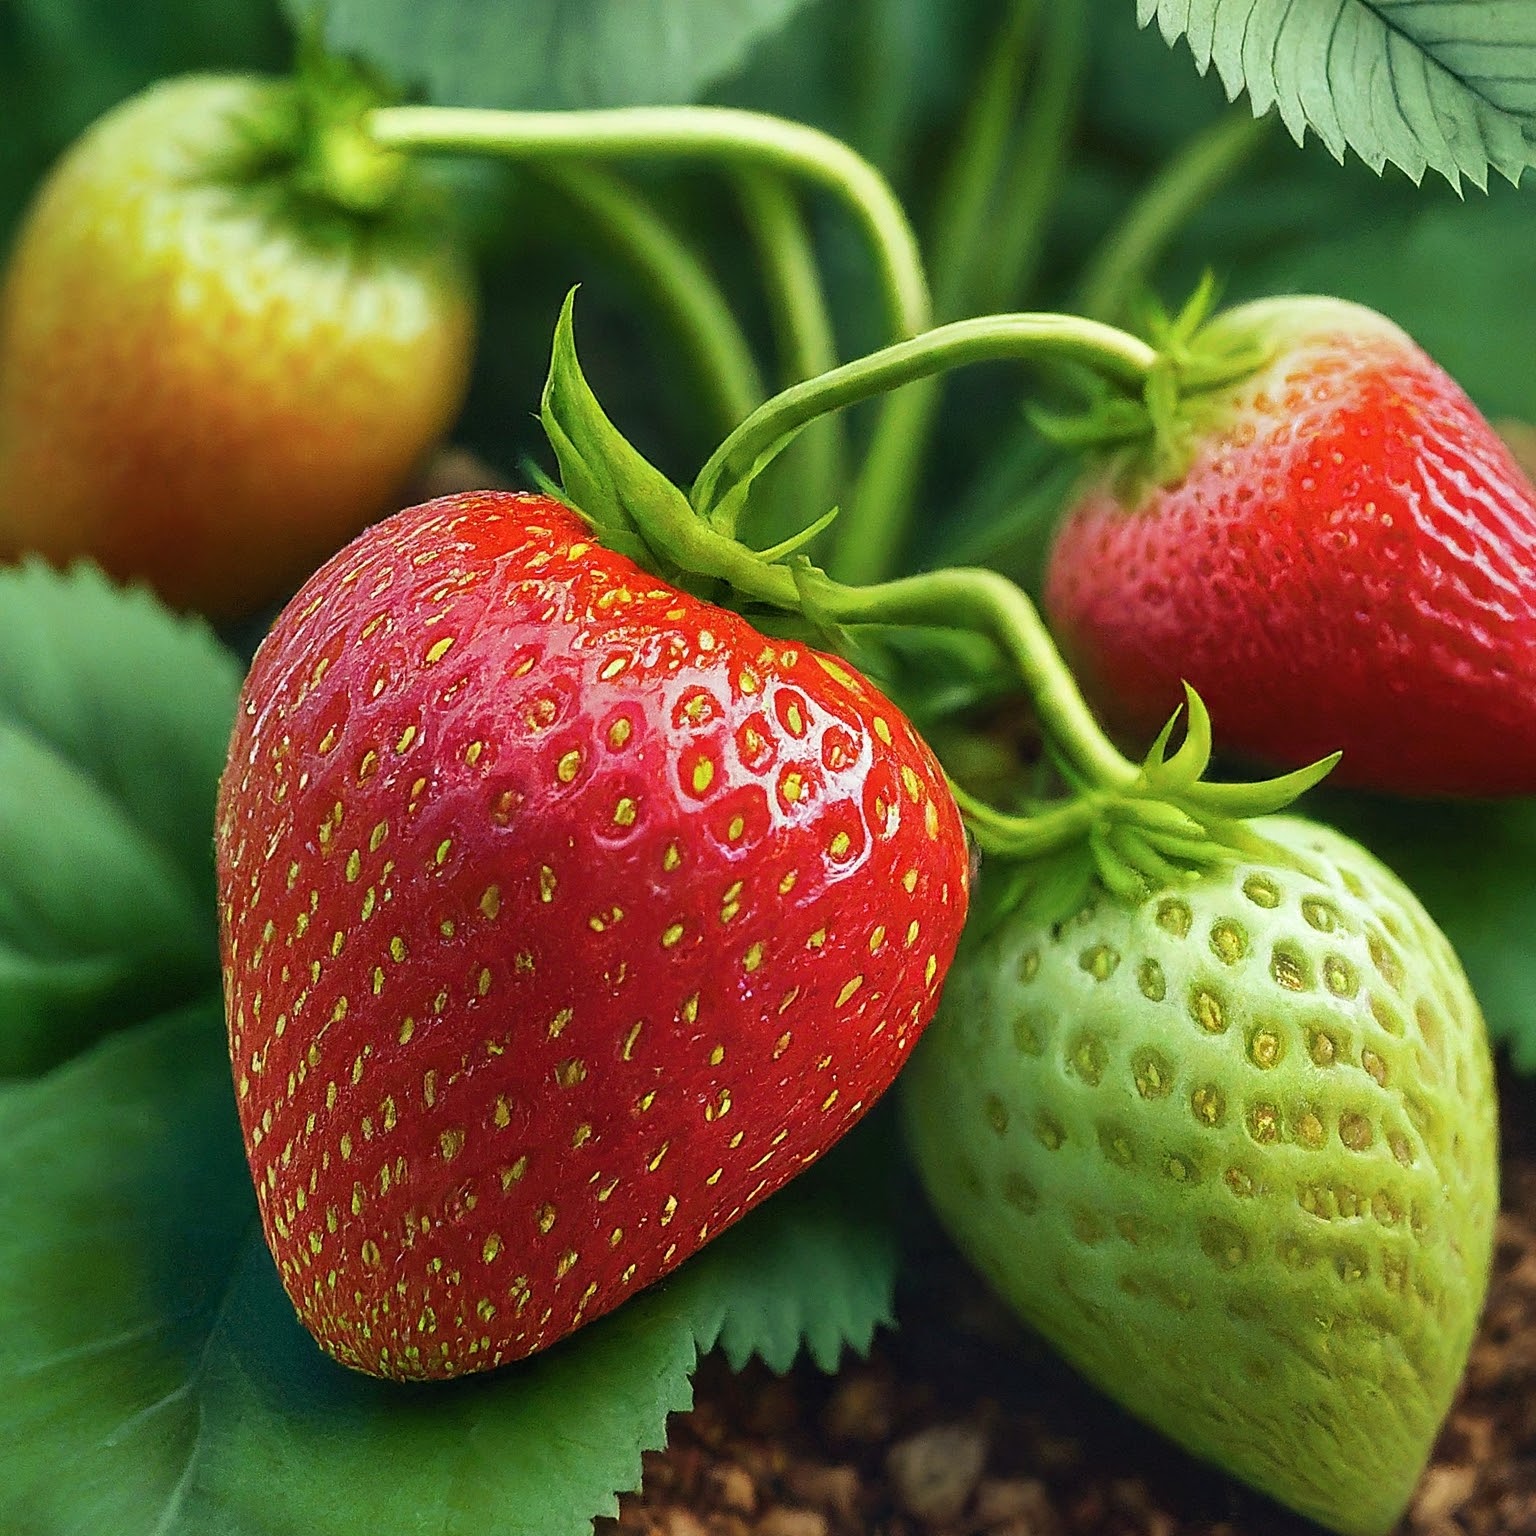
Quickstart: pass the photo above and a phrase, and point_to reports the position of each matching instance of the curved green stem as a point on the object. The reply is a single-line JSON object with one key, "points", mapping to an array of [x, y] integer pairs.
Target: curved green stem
{"points": [[801, 321], [680, 281], [970, 599], [722, 134], [980, 600], [1108, 352], [1166, 204], [1026, 836], [873, 529]]}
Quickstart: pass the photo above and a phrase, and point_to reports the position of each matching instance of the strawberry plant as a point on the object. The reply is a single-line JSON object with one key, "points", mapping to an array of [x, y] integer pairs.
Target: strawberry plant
{"points": [[586, 862]]}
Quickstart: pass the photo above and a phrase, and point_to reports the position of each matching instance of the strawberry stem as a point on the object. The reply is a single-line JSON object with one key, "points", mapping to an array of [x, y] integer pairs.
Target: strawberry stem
{"points": [[725, 134], [721, 488], [634, 507], [803, 329], [986, 236], [981, 600], [1167, 816]]}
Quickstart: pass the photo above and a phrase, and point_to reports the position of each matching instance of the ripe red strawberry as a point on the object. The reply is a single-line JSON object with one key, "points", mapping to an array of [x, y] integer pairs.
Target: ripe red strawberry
{"points": [[565, 917], [1347, 561]]}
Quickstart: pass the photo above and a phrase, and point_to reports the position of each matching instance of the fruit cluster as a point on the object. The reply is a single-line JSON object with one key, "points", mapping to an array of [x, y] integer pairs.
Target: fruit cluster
{"points": [[577, 889]]}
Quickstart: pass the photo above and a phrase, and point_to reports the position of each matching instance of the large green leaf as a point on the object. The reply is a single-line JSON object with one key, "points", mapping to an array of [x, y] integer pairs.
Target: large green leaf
{"points": [[114, 719], [154, 1380], [552, 53], [814, 1268], [1443, 85]]}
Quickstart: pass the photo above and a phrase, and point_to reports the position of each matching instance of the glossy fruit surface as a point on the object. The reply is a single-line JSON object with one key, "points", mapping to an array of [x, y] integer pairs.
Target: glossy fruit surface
{"points": [[565, 917], [210, 380], [1348, 560], [1233, 1151]]}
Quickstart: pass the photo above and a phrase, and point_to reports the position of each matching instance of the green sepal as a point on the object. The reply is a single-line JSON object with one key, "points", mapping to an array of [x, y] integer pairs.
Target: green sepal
{"points": [[1113, 864], [310, 134], [1109, 421], [1175, 334], [797, 541], [1165, 827], [813, 591], [1055, 887], [1264, 797], [1150, 438], [1195, 852], [1151, 855], [1188, 764], [631, 506], [604, 477], [1182, 776]]}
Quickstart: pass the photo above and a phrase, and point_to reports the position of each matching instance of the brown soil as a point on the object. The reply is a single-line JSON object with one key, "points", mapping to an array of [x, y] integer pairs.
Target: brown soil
{"points": [[961, 1423]]}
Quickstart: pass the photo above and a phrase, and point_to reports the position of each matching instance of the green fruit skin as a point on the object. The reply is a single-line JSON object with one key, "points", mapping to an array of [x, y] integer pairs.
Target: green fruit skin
{"points": [[1233, 1151]]}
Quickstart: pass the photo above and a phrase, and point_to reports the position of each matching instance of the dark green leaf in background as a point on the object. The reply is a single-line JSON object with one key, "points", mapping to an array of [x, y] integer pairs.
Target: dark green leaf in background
{"points": [[1441, 85], [155, 1382], [114, 720], [552, 53], [64, 62]]}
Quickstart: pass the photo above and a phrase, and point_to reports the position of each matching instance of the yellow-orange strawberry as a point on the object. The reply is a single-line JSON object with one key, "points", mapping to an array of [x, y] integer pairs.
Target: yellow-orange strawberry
{"points": [[213, 370]]}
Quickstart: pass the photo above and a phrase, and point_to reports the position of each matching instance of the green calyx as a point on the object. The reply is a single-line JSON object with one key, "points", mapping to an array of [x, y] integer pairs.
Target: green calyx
{"points": [[311, 136], [1151, 435], [633, 508], [1163, 828]]}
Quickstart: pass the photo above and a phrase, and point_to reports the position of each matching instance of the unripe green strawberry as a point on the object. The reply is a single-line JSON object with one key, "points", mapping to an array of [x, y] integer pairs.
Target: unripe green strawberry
{"points": [[1232, 1149]]}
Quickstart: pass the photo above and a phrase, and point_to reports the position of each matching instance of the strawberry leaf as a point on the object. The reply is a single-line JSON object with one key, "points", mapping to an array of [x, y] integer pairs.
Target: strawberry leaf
{"points": [[813, 1267], [552, 53], [153, 1378], [1446, 88], [114, 717]]}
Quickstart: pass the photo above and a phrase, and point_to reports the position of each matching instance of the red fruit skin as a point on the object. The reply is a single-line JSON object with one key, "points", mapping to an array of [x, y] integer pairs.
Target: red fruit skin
{"points": [[1348, 562], [564, 918]]}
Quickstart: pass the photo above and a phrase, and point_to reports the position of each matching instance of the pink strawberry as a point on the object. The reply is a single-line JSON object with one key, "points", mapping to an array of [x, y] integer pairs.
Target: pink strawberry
{"points": [[565, 917], [1347, 559]]}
